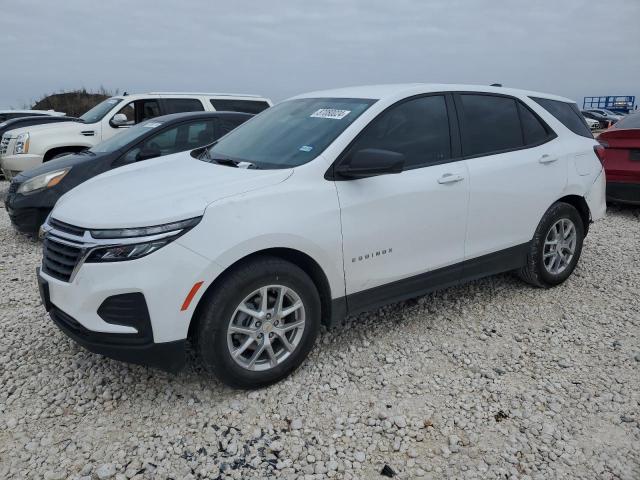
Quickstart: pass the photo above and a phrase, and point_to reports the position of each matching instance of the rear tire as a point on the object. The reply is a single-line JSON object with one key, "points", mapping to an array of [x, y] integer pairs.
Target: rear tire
{"points": [[248, 342], [555, 248]]}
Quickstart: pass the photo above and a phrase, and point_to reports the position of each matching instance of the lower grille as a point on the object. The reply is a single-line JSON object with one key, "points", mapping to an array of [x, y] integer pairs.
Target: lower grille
{"points": [[59, 259], [4, 144]]}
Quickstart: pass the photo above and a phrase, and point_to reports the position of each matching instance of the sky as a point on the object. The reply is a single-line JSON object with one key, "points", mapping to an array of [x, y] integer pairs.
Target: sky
{"points": [[280, 48]]}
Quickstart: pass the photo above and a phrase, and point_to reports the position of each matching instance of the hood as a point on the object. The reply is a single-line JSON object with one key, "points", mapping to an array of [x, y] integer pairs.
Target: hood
{"points": [[71, 126], [58, 163], [157, 191]]}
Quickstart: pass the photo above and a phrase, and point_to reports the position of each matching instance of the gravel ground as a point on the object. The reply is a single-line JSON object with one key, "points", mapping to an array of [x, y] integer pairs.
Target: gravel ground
{"points": [[493, 379]]}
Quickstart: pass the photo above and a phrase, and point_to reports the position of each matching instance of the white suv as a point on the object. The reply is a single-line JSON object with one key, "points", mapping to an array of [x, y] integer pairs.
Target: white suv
{"points": [[25, 148], [325, 205]]}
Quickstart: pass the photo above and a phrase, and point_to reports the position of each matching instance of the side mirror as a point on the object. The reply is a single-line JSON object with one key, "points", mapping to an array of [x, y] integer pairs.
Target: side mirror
{"points": [[119, 120], [147, 154], [369, 163]]}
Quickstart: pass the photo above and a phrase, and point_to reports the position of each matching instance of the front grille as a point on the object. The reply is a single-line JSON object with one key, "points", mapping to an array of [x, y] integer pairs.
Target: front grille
{"points": [[59, 259], [4, 144], [66, 228]]}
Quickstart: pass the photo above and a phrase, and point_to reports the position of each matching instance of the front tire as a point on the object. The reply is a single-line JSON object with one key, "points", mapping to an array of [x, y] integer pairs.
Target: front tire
{"points": [[259, 323], [555, 248]]}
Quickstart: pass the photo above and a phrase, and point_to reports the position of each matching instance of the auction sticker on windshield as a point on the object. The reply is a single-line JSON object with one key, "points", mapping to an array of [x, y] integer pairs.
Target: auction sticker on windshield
{"points": [[332, 113]]}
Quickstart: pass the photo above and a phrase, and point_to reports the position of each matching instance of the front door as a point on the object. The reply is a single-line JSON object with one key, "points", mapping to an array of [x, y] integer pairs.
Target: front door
{"points": [[397, 228]]}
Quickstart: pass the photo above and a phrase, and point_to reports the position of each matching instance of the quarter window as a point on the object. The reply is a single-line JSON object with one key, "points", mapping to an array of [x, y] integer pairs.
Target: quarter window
{"points": [[567, 113], [417, 128], [490, 124]]}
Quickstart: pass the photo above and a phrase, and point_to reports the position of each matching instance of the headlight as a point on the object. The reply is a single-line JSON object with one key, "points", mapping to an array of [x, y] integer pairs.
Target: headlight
{"points": [[132, 251], [46, 180], [22, 143], [146, 231], [129, 249]]}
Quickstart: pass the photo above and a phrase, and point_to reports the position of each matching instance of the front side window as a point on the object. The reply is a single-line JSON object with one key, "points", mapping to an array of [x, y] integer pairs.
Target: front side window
{"points": [[185, 136], [290, 134], [566, 113], [417, 128], [98, 112], [490, 124], [179, 105], [243, 106], [127, 136]]}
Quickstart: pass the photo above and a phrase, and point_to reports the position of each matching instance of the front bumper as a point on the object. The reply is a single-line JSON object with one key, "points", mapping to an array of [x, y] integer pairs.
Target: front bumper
{"points": [[28, 212], [620, 192], [13, 164], [137, 349]]}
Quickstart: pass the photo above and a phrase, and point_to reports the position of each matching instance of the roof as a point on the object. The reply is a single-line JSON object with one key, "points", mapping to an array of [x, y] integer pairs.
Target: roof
{"points": [[379, 92], [248, 95], [46, 112], [195, 115]]}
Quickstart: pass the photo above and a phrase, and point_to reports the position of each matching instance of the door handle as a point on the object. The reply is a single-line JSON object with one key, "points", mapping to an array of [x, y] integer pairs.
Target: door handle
{"points": [[547, 159], [450, 178]]}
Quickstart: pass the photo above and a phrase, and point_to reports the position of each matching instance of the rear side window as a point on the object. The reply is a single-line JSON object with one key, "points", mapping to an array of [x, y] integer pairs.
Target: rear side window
{"points": [[567, 114], [225, 125], [417, 128], [490, 124], [179, 105], [244, 106]]}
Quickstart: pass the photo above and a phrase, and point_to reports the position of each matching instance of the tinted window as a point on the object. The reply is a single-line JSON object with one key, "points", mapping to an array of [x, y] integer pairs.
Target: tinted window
{"points": [[178, 105], [245, 106], [291, 133], [225, 125], [179, 138], [489, 124], [533, 130], [630, 121], [127, 136], [567, 113], [417, 128]]}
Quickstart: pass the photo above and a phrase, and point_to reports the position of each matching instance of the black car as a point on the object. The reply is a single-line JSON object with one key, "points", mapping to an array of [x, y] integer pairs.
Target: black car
{"points": [[33, 193], [604, 121]]}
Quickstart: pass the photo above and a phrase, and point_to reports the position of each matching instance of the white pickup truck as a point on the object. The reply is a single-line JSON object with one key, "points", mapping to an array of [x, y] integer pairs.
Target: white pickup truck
{"points": [[25, 148]]}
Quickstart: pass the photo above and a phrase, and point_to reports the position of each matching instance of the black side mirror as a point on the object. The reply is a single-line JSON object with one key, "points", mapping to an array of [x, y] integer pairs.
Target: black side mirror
{"points": [[369, 163], [147, 154]]}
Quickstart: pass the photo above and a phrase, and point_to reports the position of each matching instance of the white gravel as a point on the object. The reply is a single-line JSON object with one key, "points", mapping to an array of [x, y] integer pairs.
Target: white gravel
{"points": [[493, 379]]}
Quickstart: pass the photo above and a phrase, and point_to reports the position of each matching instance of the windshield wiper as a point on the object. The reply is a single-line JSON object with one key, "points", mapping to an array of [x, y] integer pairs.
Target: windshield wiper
{"points": [[235, 163]]}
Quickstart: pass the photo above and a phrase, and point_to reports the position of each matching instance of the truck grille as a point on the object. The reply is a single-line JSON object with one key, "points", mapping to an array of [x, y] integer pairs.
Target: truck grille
{"points": [[4, 144], [60, 259]]}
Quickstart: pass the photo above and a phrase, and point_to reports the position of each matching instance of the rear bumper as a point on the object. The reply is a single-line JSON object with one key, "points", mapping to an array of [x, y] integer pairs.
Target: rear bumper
{"points": [[623, 192], [596, 198]]}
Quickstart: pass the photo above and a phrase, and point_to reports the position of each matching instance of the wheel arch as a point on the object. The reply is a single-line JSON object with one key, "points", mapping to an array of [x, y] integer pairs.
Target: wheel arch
{"points": [[580, 204], [301, 259], [52, 152]]}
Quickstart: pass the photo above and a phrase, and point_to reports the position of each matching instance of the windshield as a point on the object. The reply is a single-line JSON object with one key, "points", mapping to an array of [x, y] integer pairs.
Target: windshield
{"points": [[99, 111], [630, 121], [290, 134], [129, 135]]}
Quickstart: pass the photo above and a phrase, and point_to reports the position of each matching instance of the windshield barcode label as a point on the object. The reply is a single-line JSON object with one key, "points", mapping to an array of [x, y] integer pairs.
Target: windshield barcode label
{"points": [[332, 113]]}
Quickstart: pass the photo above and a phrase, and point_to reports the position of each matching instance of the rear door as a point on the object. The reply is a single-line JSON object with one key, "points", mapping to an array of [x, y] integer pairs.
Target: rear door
{"points": [[398, 228], [516, 172]]}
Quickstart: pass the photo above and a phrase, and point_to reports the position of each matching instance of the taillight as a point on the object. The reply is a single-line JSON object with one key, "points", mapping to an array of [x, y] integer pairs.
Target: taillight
{"points": [[600, 151]]}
